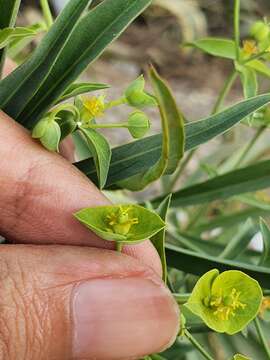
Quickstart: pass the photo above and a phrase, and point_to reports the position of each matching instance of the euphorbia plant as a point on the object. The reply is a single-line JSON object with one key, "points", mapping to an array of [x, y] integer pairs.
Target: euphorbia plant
{"points": [[43, 94]]}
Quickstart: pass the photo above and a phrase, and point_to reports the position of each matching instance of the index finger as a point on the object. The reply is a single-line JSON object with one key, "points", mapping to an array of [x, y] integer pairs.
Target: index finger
{"points": [[39, 193]]}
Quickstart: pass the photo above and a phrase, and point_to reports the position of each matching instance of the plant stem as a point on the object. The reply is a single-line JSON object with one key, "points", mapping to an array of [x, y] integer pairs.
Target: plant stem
{"points": [[250, 145], [47, 13], [198, 346], [225, 91], [262, 336], [181, 298], [114, 103], [107, 126], [237, 27], [119, 246]]}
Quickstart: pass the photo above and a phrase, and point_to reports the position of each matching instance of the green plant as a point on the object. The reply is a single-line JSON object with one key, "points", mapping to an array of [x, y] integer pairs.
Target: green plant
{"points": [[219, 284]]}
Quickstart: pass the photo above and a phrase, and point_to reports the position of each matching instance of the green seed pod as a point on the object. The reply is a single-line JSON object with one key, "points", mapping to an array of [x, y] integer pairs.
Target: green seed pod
{"points": [[137, 97], [138, 124], [260, 30], [51, 137], [67, 122], [40, 129]]}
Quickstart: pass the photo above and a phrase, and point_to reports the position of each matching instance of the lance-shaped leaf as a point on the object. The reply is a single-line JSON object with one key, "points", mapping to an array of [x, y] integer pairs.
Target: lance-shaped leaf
{"points": [[198, 263], [126, 224], [18, 88], [224, 48], [265, 231], [248, 179], [101, 150], [137, 157], [81, 88], [226, 302], [7, 35], [158, 240], [173, 137], [94, 32], [239, 242], [8, 15]]}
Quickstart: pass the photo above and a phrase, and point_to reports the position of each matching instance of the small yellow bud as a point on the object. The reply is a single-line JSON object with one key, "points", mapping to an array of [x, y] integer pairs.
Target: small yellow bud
{"points": [[120, 222], [95, 106], [250, 47]]}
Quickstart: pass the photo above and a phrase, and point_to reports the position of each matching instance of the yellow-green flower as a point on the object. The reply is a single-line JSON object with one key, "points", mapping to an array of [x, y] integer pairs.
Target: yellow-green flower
{"points": [[93, 106], [226, 302]]}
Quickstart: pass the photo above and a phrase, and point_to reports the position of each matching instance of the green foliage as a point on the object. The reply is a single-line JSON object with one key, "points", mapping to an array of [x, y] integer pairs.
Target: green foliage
{"points": [[211, 213], [8, 14], [158, 240]]}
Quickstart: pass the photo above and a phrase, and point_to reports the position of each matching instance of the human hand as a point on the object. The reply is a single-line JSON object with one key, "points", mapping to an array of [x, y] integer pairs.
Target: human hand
{"points": [[61, 301]]}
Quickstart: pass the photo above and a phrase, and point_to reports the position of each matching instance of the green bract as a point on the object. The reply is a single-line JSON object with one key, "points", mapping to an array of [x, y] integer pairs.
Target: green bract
{"points": [[49, 134], [226, 302], [137, 97], [121, 223], [240, 357], [138, 124]]}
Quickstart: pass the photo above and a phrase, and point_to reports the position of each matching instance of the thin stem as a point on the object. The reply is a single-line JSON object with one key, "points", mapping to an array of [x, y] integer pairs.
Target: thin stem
{"points": [[119, 246], [47, 13], [254, 57], [237, 27], [107, 126], [198, 346], [225, 91], [250, 145], [262, 336], [117, 102], [181, 298]]}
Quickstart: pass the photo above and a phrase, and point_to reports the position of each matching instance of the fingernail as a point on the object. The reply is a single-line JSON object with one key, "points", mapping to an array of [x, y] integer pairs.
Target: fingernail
{"points": [[122, 318]]}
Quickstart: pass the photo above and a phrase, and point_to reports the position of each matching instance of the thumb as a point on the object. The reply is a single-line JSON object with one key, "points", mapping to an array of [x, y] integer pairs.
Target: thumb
{"points": [[61, 302]]}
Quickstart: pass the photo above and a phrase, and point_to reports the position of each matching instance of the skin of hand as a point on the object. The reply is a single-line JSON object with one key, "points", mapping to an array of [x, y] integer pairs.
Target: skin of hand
{"points": [[64, 293]]}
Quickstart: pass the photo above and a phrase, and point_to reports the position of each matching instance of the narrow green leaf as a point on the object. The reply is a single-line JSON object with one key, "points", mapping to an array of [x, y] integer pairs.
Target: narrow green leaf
{"points": [[230, 219], [7, 35], [137, 157], [171, 114], [173, 137], [249, 81], [265, 231], [239, 242], [159, 239], [81, 88], [224, 48], [94, 32], [8, 15], [18, 89], [100, 147], [260, 67], [245, 180], [199, 264]]}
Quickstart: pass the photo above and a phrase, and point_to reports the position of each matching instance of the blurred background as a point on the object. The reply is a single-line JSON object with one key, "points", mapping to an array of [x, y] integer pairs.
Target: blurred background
{"points": [[158, 37]]}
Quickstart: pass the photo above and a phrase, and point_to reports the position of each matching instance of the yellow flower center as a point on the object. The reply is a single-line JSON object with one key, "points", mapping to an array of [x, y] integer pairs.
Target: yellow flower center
{"points": [[225, 307], [120, 222], [94, 105], [250, 47]]}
